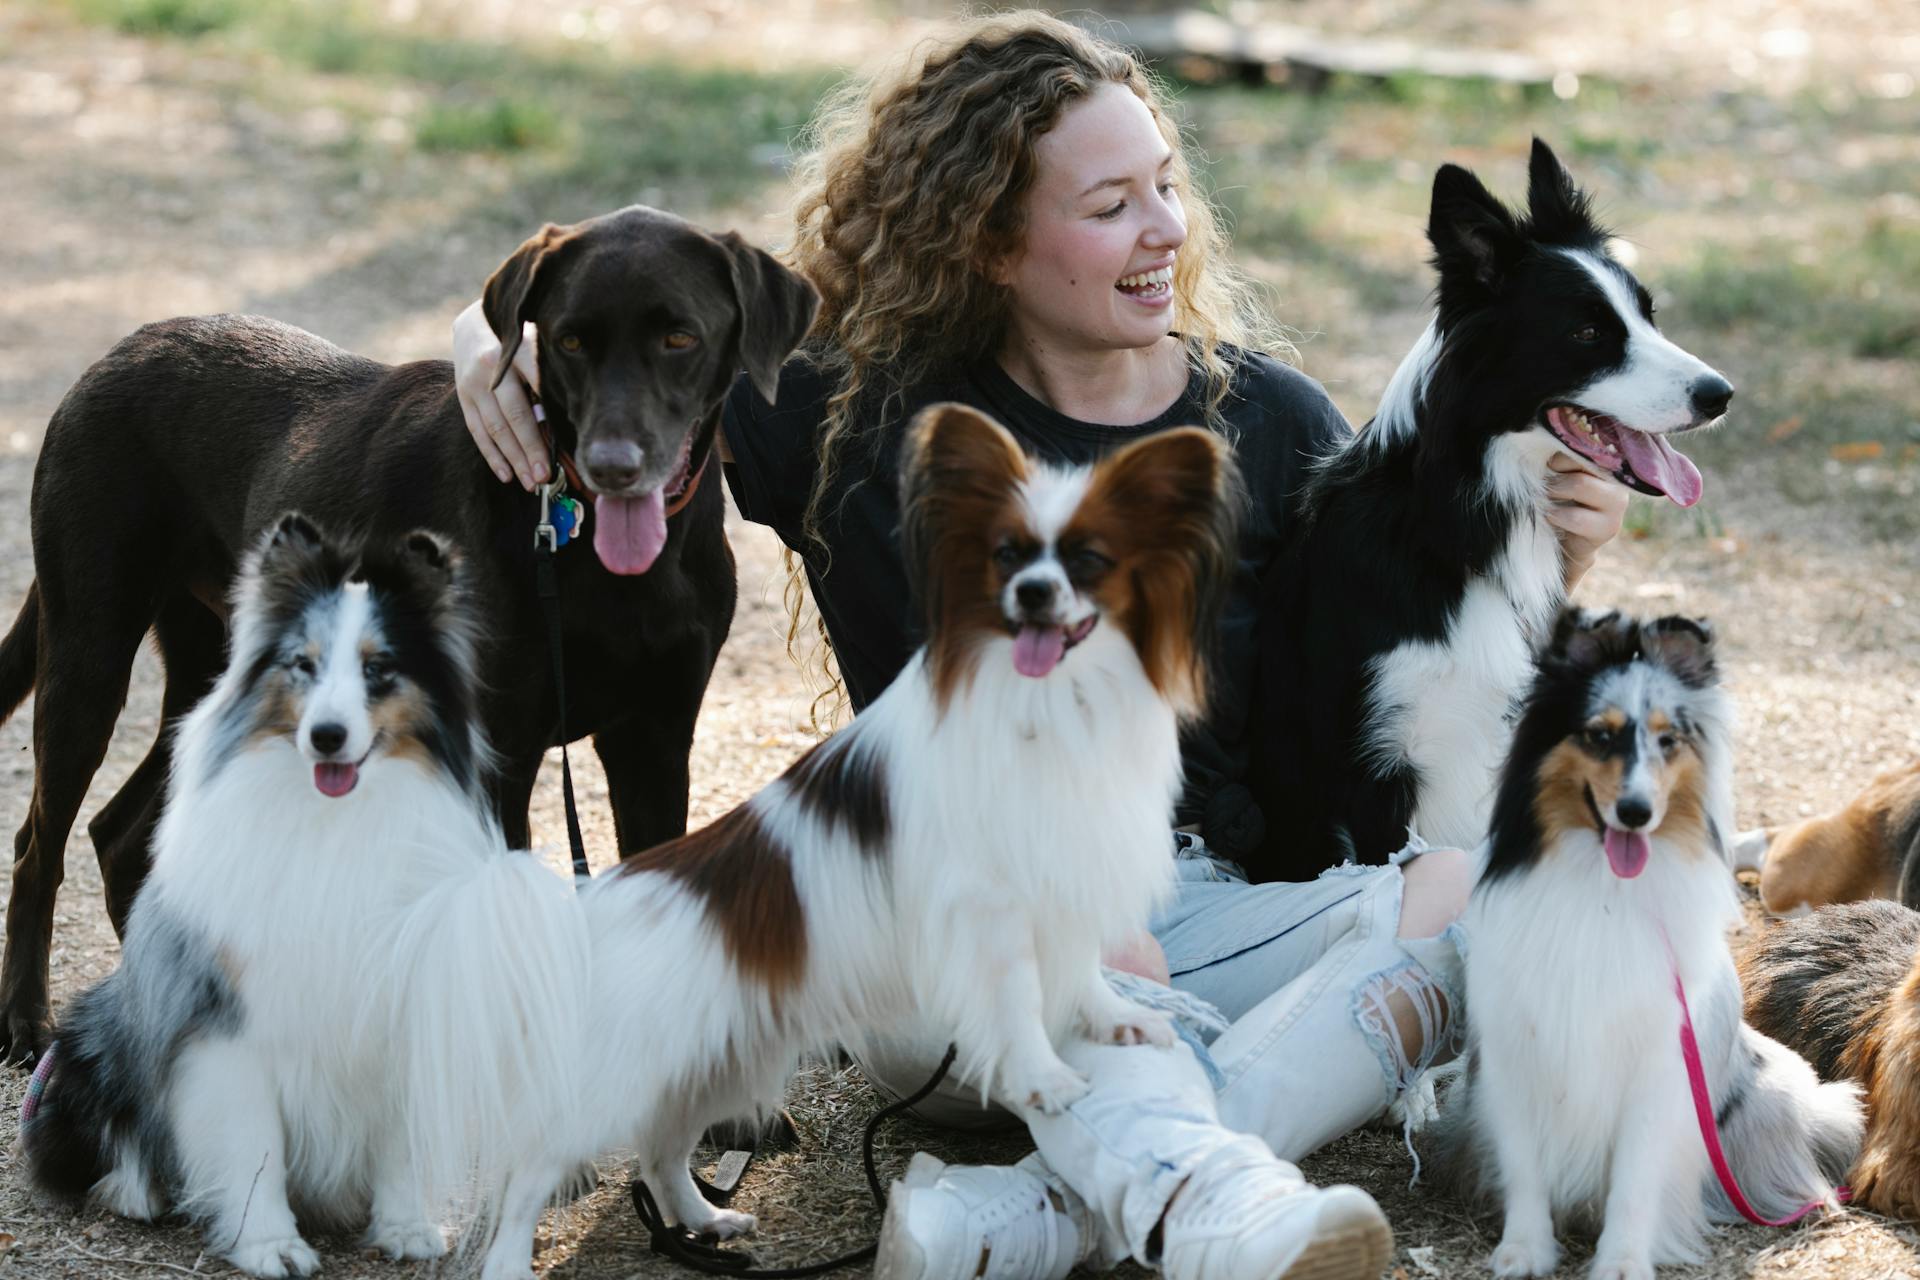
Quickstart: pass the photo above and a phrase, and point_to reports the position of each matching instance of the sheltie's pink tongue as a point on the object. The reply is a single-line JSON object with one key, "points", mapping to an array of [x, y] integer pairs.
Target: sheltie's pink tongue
{"points": [[1661, 465], [1627, 852], [628, 533], [1037, 650], [335, 779]]}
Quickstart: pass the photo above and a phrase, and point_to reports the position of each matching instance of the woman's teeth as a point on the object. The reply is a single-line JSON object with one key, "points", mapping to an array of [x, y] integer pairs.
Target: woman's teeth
{"points": [[1145, 279]]}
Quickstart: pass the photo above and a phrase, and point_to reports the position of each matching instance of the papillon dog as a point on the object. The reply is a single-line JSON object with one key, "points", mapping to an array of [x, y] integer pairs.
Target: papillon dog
{"points": [[961, 852], [1605, 880], [317, 1007]]}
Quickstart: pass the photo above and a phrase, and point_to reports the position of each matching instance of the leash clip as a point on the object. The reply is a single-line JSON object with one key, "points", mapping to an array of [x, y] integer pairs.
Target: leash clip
{"points": [[545, 537]]}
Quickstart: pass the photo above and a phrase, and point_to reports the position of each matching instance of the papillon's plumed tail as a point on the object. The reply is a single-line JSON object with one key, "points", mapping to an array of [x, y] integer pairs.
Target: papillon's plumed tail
{"points": [[488, 1016]]}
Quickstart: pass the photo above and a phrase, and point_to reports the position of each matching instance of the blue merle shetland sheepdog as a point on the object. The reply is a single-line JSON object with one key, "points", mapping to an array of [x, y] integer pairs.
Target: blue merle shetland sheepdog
{"points": [[1423, 572], [304, 1025], [1605, 877]]}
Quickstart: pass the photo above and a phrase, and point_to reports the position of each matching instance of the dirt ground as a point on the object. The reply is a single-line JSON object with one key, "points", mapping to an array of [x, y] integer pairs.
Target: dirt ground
{"points": [[144, 180]]}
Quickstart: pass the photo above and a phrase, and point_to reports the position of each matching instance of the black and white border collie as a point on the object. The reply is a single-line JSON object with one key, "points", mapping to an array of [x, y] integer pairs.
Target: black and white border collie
{"points": [[306, 1024], [1605, 877], [1423, 571]]}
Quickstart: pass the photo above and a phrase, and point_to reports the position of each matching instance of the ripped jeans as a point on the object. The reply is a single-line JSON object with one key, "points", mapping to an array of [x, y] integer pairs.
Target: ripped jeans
{"points": [[1303, 974]]}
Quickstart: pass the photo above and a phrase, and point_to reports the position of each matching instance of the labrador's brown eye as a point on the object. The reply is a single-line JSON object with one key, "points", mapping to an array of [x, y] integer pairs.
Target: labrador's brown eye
{"points": [[680, 341], [570, 343]]}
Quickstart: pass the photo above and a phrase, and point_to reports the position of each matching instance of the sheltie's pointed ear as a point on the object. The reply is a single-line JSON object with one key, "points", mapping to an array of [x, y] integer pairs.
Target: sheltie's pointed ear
{"points": [[1557, 210], [295, 548], [1588, 640], [1683, 646], [432, 558], [1475, 238]]}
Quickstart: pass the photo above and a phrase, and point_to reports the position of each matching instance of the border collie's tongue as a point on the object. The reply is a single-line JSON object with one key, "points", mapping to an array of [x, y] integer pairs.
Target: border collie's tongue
{"points": [[1626, 852], [1037, 650], [628, 533], [1661, 465], [335, 779]]}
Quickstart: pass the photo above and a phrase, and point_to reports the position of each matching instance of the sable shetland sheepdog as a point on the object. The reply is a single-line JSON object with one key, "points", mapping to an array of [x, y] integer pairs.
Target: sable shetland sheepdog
{"points": [[1605, 877], [1422, 554], [1842, 986], [963, 850], [317, 1009], [1869, 848]]}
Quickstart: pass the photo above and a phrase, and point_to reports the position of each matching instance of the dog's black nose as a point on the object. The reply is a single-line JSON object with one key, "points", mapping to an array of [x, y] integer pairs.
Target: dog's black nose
{"points": [[612, 464], [1633, 812], [328, 738], [1711, 395], [1034, 595]]}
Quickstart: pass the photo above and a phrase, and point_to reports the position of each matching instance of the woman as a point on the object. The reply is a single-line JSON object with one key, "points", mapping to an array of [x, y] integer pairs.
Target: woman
{"points": [[1007, 221]]}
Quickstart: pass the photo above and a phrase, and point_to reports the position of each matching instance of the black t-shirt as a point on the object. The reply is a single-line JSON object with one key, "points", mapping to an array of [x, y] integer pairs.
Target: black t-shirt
{"points": [[1277, 418]]}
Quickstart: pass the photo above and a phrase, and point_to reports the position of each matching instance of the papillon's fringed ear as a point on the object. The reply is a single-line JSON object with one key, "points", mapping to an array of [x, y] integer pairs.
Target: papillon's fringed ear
{"points": [[515, 286], [1474, 236], [958, 463], [1683, 646], [1587, 640], [1557, 211]]}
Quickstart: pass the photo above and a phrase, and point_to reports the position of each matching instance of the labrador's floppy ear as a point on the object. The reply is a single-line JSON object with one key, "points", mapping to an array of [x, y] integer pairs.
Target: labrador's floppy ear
{"points": [[777, 306], [515, 286]]}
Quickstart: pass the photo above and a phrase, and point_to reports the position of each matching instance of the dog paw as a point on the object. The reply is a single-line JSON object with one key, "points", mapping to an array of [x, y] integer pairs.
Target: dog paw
{"points": [[23, 1033], [1620, 1269], [1138, 1025], [406, 1240], [722, 1224], [1050, 1091], [129, 1192], [274, 1257], [1524, 1257]]}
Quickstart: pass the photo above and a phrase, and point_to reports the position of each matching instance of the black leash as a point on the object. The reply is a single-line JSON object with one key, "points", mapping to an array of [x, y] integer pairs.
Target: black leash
{"points": [[546, 576], [690, 1250]]}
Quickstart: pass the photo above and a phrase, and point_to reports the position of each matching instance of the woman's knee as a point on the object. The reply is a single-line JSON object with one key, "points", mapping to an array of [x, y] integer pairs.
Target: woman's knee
{"points": [[1436, 887]]}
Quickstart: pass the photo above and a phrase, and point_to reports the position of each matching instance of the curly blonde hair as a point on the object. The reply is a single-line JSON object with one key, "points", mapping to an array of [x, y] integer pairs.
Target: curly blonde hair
{"points": [[903, 278]]}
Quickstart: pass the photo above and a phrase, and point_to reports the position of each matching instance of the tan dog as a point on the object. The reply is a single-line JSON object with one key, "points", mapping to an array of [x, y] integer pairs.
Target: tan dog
{"points": [[1869, 849]]}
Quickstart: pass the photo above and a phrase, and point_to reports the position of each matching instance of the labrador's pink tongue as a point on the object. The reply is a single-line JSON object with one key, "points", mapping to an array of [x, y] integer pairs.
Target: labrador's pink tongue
{"points": [[1627, 852], [1661, 465], [629, 532], [1037, 650], [335, 779]]}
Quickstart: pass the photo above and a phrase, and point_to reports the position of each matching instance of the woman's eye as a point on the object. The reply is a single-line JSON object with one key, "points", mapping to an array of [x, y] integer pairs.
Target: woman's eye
{"points": [[570, 343], [680, 341], [1108, 215]]}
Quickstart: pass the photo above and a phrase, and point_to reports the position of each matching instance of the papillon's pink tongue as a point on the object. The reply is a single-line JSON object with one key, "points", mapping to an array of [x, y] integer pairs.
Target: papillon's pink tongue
{"points": [[1661, 465], [335, 779], [628, 533], [1037, 650], [1627, 852]]}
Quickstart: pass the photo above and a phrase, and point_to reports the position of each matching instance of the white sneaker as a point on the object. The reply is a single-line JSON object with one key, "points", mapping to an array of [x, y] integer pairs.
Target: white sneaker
{"points": [[978, 1222], [1259, 1219]]}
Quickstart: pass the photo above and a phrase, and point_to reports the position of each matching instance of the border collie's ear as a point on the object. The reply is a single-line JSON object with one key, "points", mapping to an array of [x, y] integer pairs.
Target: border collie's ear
{"points": [[1557, 209], [777, 305], [1472, 234], [1587, 640], [1683, 646], [515, 286]]}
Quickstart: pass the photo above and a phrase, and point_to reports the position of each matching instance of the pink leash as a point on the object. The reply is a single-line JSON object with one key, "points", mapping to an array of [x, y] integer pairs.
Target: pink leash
{"points": [[1703, 1109]]}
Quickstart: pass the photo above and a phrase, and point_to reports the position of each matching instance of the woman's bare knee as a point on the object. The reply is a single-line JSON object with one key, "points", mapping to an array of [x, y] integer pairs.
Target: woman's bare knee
{"points": [[1437, 884]]}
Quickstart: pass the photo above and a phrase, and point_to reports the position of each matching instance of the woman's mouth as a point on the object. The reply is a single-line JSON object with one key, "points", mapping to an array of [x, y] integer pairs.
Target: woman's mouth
{"points": [[1151, 287]]}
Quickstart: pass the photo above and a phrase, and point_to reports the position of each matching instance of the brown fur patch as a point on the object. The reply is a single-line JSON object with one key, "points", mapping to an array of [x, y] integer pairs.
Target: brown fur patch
{"points": [[1849, 855], [1886, 1060], [745, 876], [1560, 796], [1684, 780], [277, 715], [399, 721]]}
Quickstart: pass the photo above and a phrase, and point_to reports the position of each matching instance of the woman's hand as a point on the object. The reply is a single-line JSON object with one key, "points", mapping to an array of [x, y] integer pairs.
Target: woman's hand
{"points": [[1585, 511], [500, 419]]}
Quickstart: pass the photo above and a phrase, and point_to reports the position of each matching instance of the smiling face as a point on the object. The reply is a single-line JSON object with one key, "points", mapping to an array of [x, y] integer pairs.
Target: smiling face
{"points": [[1104, 223]]}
